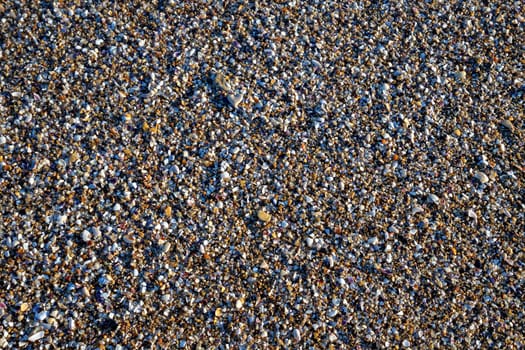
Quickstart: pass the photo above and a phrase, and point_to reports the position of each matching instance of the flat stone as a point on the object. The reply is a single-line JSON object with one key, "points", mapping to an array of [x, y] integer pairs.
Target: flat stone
{"points": [[36, 336], [264, 216]]}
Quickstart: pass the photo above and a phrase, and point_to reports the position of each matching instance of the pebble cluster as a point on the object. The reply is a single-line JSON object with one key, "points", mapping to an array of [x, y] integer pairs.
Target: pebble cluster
{"points": [[261, 175]]}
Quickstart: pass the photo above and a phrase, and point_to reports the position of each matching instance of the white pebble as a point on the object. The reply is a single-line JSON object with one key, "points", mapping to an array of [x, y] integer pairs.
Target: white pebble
{"points": [[36, 336], [332, 338], [116, 207], [86, 236], [62, 219]]}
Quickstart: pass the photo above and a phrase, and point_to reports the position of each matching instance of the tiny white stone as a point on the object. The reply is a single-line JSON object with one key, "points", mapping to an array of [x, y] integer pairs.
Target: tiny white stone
{"points": [[2, 140], [235, 100], [42, 315], [62, 219], [86, 236], [238, 304], [332, 313], [116, 207], [406, 343], [36, 336], [309, 242]]}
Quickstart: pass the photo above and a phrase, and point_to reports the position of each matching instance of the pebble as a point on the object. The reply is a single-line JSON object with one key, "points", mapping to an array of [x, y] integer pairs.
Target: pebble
{"points": [[481, 177], [508, 124], [432, 198], [264, 216], [36, 336], [146, 148], [86, 236], [235, 100]]}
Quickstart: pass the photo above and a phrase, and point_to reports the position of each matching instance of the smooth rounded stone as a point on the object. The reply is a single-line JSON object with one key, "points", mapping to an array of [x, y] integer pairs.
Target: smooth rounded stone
{"points": [[239, 304], [86, 236], [481, 177], [117, 207], [182, 344], [296, 334], [405, 343], [24, 307], [432, 198], [41, 316], [309, 242], [36, 336], [508, 124], [62, 219], [235, 100], [373, 240], [332, 338], [263, 215], [85, 292], [3, 139]]}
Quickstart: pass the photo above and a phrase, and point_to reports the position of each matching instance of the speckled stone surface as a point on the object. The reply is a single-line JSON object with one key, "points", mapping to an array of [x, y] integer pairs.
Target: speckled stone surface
{"points": [[255, 175]]}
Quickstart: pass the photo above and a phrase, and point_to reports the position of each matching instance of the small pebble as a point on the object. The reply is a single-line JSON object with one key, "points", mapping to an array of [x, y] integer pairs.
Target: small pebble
{"points": [[235, 100], [296, 335], [481, 177], [263, 215], [86, 236], [36, 336], [432, 198]]}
